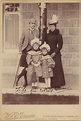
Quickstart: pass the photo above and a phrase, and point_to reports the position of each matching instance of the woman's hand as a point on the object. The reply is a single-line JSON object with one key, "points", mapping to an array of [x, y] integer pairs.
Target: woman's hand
{"points": [[53, 54]]}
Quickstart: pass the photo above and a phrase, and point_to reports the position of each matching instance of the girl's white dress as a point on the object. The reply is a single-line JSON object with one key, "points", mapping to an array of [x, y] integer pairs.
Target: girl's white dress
{"points": [[34, 65], [47, 66]]}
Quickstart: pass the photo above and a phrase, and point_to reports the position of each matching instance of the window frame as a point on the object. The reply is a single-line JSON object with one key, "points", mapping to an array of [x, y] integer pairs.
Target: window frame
{"points": [[9, 13]]}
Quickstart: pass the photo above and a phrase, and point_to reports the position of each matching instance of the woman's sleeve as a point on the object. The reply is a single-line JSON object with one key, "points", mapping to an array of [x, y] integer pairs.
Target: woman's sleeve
{"points": [[51, 62], [59, 44], [21, 42]]}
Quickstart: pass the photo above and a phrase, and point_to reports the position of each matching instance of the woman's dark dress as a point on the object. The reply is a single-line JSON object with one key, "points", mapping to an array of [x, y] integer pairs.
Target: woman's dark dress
{"points": [[55, 41]]}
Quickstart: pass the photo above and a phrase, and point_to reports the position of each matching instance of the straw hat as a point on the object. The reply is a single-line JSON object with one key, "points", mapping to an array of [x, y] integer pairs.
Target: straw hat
{"points": [[35, 40], [45, 46], [54, 20]]}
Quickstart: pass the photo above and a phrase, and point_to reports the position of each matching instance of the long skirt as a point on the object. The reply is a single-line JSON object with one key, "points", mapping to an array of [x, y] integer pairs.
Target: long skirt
{"points": [[58, 73]]}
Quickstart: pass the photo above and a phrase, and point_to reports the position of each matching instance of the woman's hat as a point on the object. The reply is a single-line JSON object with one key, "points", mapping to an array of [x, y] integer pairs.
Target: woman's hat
{"points": [[46, 46], [54, 20], [35, 40]]}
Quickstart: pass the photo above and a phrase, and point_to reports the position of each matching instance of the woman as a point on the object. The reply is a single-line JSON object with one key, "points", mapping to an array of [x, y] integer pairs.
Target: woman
{"points": [[55, 41]]}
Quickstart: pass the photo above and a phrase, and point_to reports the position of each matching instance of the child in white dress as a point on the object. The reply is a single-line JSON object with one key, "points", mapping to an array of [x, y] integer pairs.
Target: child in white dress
{"points": [[34, 63], [47, 64]]}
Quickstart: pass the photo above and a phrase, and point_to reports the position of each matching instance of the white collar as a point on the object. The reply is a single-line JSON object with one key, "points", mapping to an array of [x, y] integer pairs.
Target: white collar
{"points": [[32, 52], [31, 29]]}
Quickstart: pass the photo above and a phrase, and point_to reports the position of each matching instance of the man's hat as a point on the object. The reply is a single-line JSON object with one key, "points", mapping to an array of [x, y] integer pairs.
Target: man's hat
{"points": [[54, 20], [35, 40], [46, 46]]}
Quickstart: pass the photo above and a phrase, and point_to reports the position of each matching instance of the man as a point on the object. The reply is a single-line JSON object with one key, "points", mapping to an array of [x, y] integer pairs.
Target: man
{"points": [[24, 47]]}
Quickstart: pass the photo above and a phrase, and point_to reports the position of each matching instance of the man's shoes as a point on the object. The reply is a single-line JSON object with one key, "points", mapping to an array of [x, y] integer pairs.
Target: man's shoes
{"points": [[25, 85]]}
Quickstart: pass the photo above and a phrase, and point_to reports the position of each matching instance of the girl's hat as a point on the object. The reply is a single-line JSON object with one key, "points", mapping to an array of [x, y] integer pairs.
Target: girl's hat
{"points": [[54, 20], [35, 40], [46, 46]]}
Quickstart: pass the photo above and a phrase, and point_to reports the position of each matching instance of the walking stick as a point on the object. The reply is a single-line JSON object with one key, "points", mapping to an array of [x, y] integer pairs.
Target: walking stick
{"points": [[16, 73]]}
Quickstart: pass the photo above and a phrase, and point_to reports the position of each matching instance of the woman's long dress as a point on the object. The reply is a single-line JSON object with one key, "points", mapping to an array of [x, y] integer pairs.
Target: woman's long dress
{"points": [[55, 41]]}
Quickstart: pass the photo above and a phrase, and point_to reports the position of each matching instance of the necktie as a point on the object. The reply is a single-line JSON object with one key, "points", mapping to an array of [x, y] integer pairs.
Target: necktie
{"points": [[31, 32]]}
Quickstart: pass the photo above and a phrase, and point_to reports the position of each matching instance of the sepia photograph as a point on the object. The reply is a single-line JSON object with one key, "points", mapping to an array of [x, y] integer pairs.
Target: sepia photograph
{"points": [[40, 53], [40, 60]]}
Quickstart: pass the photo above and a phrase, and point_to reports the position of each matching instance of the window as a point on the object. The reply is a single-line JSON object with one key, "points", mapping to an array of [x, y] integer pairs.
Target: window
{"points": [[11, 26], [11, 7]]}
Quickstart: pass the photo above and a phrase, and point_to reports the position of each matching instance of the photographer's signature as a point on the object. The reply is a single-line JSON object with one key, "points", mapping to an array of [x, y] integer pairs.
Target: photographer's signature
{"points": [[17, 115]]}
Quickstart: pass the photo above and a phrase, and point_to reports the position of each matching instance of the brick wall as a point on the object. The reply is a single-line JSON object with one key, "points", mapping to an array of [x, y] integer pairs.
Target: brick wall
{"points": [[69, 24]]}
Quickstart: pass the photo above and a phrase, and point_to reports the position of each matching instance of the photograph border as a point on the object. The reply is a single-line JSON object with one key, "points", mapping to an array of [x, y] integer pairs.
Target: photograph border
{"points": [[38, 112]]}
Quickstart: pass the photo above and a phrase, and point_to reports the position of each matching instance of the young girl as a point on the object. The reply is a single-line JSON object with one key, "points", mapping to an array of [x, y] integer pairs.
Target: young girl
{"points": [[47, 64], [34, 64]]}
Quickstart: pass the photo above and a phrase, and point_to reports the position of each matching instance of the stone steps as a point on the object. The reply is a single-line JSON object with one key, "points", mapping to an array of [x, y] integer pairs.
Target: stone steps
{"points": [[41, 91], [10, 62]]}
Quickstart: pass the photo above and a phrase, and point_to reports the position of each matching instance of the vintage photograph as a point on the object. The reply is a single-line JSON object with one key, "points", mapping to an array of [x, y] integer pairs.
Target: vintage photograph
{"points": [[40, 50]]}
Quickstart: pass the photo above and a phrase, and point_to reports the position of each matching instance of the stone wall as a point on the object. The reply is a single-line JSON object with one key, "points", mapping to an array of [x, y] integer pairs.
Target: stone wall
{"points": [[28, 11]]}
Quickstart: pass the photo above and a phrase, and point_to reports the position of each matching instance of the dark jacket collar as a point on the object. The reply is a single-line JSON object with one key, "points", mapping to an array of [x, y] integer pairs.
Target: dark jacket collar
{"points": [[55, 32]]}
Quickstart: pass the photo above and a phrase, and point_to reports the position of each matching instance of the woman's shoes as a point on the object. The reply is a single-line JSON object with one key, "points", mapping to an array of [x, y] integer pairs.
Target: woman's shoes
{"points": [[46, 89], [57, 87]]}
